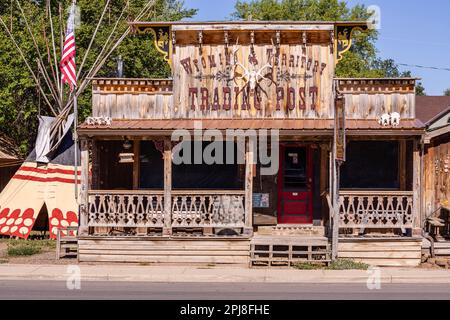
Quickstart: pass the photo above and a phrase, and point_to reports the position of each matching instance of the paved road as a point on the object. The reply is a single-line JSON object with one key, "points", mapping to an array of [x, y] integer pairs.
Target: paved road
{"points": [[211, 291]]}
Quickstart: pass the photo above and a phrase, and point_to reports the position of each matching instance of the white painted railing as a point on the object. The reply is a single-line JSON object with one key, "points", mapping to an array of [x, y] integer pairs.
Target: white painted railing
{"points": [[145, 209], [134, 209], [376, 209], [203, 209]]}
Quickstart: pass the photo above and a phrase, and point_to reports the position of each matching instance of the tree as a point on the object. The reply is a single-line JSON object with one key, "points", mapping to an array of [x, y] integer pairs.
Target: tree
{"points": [[360, 61], [447, 92], [21, 102]]}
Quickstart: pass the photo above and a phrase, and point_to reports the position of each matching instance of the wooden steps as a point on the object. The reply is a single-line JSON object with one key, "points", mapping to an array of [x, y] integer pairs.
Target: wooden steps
{"points": [[298, 231], [382, 252], [272, 251], [165, 250]]}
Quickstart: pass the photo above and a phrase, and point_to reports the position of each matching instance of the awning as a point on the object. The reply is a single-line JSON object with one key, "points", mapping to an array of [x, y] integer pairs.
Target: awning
{"points": [[307, 127]]}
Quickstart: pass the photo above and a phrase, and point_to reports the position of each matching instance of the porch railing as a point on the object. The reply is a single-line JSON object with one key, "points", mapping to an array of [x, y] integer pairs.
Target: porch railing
{"points": [[145, 209], [376, 209], [134, 209], [198, 209]]}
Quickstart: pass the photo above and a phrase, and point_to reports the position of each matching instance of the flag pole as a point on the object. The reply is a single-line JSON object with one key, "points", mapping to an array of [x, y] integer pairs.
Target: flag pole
{"points": [[75, 115], [75, 132]]}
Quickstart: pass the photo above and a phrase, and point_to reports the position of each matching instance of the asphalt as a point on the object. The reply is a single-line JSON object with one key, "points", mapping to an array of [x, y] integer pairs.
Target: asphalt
{"points": [[111, 290]]}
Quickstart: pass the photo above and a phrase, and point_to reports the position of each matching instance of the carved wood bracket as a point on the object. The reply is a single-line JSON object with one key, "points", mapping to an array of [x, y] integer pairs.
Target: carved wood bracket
{"points": [[344, 38], [163, 39]]}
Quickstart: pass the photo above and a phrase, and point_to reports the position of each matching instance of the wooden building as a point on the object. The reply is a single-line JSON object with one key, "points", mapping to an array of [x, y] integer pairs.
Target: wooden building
{"points": [[435, 113], [347, 181]]}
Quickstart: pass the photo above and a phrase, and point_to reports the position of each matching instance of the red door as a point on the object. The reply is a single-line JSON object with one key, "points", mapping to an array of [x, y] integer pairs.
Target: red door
{"points": [[295, 185]]}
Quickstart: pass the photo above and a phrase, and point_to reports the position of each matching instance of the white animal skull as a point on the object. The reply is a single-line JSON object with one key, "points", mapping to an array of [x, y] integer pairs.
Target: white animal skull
{"points": [[252, 77], [99, 121], [395, 119], [385, 120]]}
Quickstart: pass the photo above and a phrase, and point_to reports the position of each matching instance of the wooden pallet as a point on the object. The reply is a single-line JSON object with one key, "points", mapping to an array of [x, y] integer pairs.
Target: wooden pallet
{"points": [[288, 251], [66, 244]]}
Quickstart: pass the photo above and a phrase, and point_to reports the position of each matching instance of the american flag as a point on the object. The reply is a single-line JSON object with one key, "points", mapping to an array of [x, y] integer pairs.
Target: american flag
{"points": [[68, 68]]}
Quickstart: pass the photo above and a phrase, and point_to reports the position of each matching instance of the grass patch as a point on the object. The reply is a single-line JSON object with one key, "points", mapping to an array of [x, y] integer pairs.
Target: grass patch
{"points": [[309, 266], [23, 251], [341, 264], [20, 248]]}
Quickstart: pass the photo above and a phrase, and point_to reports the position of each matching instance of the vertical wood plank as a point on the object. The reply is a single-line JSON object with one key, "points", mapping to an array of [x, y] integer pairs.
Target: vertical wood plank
{"points": [[84, 194], [323, 177], [136, 163], [167, 231], [416, 187], [249, 160], [402, 164]]}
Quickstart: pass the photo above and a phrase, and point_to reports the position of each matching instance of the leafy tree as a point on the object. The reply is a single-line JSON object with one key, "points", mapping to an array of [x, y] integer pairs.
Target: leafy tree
{"points": [[21, 101], [447, 92], [361, 61]]}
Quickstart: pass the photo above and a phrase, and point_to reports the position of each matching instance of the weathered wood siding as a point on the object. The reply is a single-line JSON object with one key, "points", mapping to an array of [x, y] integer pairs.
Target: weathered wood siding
{"points": [[399, 252], [132, 98], [370, 98], [436, 175], [293, 97], [164, 250]]}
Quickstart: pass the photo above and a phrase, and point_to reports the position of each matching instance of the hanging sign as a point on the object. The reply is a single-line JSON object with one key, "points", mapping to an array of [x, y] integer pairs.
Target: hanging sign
{"points": [[340, 131]]}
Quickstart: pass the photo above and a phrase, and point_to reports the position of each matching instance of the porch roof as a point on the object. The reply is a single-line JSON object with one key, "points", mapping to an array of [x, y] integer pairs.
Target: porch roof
{"points": [[312, 127]]}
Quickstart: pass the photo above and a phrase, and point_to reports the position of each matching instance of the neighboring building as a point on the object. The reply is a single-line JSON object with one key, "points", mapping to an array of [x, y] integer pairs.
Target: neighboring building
{"points": [[435, 113], [138, 206], [10, 161]]}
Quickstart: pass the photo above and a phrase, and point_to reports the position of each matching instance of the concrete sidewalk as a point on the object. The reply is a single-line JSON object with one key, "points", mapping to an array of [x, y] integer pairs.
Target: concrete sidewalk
{"points": [[216, 274]]}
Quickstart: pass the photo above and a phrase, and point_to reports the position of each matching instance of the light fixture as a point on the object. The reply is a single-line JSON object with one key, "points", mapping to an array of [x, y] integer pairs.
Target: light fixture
{"points": [[127, 145]]}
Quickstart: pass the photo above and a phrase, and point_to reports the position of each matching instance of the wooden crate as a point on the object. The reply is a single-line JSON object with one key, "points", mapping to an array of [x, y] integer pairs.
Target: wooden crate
{"points": [[66, 243], [288, 251]]}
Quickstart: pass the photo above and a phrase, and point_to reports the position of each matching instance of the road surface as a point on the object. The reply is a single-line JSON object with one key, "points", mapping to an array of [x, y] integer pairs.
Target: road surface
{"points": [[214, 291]]}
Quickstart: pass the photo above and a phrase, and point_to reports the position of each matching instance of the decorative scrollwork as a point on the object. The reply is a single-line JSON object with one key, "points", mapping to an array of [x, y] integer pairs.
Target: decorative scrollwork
{"points": [[344, 38], [164, 39]]}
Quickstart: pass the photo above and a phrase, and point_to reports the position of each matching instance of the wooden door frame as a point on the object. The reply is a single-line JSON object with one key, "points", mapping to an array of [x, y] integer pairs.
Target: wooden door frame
{"points": [[310, 173]]}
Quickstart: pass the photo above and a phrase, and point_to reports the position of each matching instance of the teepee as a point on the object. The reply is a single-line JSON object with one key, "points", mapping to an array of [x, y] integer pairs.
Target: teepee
{"points": [[50, 174]]}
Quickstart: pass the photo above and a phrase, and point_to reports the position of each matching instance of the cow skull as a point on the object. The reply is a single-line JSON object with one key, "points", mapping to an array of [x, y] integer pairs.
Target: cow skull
{"points": [[253, 77], [395, 119], [385, 120]]}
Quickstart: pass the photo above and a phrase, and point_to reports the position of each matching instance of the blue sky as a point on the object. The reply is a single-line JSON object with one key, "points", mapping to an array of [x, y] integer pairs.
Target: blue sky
{"points": [[413, 32]]}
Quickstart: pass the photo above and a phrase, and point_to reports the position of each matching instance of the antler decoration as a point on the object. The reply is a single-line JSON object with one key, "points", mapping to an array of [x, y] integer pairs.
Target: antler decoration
{"points": [[252, 78]]}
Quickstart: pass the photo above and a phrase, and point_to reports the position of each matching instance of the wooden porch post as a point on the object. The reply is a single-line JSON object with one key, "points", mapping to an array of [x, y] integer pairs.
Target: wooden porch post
{"points": [[402, 164], [167, 230], [84, 193], [136, 163], [249, 167], [417, 224]]}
